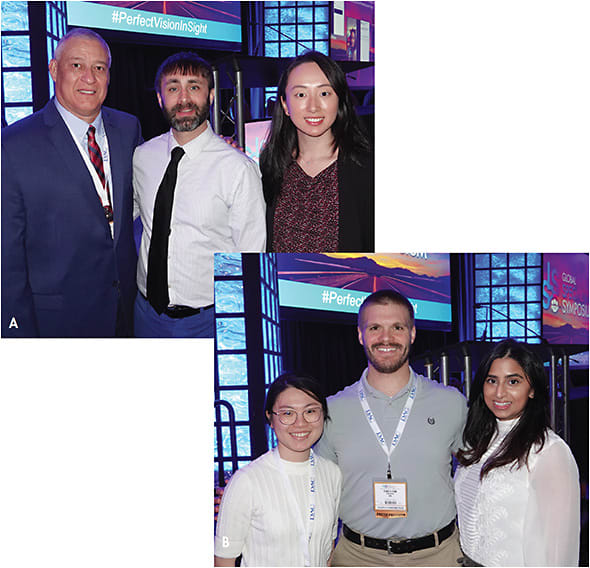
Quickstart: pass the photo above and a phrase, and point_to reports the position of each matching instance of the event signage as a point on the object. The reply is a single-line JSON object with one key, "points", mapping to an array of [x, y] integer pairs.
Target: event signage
{"points": [[565, 298]]}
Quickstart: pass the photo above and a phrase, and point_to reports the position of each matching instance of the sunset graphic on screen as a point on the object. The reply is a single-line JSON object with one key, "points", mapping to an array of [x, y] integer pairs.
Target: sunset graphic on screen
{"points": [[419, 276]]}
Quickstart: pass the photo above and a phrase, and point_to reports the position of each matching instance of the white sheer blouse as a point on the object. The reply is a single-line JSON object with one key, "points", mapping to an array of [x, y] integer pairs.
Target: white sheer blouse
{"points": [[521, 517]]}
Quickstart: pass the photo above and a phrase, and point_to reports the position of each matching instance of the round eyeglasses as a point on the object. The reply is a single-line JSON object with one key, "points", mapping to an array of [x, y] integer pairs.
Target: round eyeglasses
{"points": [[288, 417]]}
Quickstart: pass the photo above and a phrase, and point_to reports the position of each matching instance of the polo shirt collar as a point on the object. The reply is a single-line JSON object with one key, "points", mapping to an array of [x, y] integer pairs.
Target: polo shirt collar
{"points": [[374, 393]]}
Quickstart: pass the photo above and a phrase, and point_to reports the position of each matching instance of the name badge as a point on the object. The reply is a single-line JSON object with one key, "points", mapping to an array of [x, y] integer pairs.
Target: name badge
{"points": [[390, 499]]}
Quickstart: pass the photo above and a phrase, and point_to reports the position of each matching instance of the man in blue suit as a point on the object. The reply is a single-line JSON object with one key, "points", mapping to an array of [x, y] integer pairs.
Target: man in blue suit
{"points": [[68, 253]]}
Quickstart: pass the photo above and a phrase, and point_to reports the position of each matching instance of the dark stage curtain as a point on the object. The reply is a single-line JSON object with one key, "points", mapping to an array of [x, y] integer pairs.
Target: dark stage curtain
{"points": [[133, 70], [328, 351]]}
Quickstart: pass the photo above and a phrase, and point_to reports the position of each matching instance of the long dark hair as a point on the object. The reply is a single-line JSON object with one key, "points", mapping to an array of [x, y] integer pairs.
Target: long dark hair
{"points": [[481, 422], [306, 383], [282, 147]]}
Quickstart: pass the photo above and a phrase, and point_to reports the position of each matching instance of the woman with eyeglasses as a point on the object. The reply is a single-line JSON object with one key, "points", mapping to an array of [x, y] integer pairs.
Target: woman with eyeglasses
{"points": [[282, 508]]}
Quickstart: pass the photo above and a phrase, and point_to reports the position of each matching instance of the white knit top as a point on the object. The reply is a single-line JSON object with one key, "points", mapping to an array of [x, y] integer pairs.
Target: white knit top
{"points": [[521, 517], [257, 520]]}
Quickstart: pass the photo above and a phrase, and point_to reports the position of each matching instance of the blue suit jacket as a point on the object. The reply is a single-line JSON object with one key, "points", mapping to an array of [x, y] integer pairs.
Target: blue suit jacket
{"points": [[62, 273]]}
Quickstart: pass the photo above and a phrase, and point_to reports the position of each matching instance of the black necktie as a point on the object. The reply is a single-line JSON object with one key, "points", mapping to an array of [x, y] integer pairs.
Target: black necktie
{"points": [[157, 274]]}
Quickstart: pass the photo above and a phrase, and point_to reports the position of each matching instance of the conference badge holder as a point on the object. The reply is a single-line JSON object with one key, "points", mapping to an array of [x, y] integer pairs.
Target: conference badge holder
{"points": [[390, 499], [390, 496]]}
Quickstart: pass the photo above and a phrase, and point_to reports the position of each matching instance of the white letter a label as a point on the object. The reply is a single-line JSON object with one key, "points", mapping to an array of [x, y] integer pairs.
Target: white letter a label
{"points": [[13, 323]]}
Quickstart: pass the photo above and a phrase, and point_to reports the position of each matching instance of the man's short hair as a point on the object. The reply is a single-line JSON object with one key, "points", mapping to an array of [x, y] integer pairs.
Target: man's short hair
{"points": [[384, 297], [84, 33], [185, 63]]}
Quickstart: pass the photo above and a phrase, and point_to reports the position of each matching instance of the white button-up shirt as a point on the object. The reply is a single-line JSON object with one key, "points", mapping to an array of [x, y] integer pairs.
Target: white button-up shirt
{"points": [[218, 207]]}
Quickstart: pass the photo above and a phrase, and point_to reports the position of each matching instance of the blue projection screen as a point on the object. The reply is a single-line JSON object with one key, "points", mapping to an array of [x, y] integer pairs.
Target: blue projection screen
{"points": [[212, 24]]}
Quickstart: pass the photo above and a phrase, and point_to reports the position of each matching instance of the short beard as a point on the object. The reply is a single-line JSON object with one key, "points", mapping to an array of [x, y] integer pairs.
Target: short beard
{"points": [[187, 124], [390, 368]]}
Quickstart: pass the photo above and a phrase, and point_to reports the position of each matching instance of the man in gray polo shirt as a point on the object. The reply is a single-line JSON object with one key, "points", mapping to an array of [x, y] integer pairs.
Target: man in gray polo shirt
{"points": [[393, 433]]}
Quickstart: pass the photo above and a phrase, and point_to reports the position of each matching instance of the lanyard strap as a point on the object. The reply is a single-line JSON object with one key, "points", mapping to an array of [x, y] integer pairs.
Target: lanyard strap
{"points": [[403, 419], [304, 536], [102, 191]]}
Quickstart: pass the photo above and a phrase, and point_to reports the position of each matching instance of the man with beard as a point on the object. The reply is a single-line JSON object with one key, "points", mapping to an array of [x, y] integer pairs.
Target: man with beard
{"points": [[393, 433], [196, 195]]}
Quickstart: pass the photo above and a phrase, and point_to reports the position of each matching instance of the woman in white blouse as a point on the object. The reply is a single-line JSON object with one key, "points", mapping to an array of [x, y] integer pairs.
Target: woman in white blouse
{"points": [[517, 488], [282, 508]]}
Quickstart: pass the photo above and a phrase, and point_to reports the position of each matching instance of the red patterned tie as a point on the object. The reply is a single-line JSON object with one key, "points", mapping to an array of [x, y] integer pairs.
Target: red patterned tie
{"points": [[96, 159]]}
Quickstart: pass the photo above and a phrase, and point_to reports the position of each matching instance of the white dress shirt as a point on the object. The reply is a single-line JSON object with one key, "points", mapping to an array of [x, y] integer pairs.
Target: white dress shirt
{"points": [[218, 207]]}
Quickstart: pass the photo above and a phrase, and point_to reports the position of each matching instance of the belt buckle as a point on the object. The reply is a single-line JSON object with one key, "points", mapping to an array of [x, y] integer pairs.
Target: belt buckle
{"points": [[398, 546]]}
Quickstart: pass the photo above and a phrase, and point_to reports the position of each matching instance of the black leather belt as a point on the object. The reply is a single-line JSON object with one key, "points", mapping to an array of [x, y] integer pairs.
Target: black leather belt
{"points": [[184, 311], [401, 546], [178, 312]]}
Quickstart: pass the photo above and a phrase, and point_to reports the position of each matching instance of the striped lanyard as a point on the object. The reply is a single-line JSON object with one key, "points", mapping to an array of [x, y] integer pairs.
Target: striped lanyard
{"points": [[403, 419], [304, 535], [101, 190]]}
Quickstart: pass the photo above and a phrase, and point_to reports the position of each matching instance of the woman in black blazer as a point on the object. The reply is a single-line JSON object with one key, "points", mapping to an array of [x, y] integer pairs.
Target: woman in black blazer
{"points": [[317, 164]]}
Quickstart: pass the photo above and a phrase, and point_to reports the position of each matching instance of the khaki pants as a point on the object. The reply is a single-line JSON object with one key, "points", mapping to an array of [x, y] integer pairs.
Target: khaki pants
{"points": [[348, 553]]}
